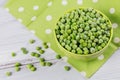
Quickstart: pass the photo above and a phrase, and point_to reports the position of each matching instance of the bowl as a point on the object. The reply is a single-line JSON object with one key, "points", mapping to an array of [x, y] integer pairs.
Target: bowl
{"points": [[87, 57]]}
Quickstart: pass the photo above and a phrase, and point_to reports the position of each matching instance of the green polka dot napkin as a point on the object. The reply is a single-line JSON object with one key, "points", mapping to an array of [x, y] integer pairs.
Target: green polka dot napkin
{"points": [[40, 17]]}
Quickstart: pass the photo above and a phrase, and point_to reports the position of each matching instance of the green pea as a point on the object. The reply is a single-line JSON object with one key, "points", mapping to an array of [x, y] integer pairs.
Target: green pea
{"points": [[68, 42], [29, 66], [63, 44], [45, 46], [58, 36], [100, 41], [81, 41], [38, 48], [74, 46], [37, 55], [103, 45], [77, 37], [24, 50], [48, 64], [67, 27], [89, 45], [8, 73], [67, 68], [80, 30], [41, 51], [93, 44], [43, 63], [33, 53], [42, 59], [99, 47], [92, 50], [33, 68], [44, 43], [79, 51], [93, 29], [58, 57], [73, 51], [86, 52], [32, 41], [17, 64], [87, 28], [92, 37], [75, 27], [62, 20], [84, 44], [73, 20], [17, 69], [74, 41], [13, 54], [92, 15], [67, 46]]}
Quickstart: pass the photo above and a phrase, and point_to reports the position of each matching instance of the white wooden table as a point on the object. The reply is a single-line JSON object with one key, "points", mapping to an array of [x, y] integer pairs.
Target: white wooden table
{"points": [[14, 35]]}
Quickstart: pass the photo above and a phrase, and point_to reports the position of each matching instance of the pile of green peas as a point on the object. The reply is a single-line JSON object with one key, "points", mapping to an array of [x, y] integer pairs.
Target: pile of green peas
{"points": [[83, 31]]}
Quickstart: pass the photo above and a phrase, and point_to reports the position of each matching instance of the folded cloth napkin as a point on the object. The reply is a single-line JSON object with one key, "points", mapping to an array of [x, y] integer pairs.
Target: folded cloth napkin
{"points": [[40, 17]]}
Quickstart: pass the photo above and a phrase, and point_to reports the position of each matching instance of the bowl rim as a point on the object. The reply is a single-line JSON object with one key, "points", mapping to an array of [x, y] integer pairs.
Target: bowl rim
{"points": [[85, 55]]}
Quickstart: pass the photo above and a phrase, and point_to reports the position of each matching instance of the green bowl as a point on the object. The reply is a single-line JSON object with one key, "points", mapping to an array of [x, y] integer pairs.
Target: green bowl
{"points": [[87, 57]]}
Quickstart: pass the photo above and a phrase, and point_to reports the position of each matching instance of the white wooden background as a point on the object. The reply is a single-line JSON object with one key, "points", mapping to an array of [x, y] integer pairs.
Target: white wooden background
{"points": [[14, 35]]}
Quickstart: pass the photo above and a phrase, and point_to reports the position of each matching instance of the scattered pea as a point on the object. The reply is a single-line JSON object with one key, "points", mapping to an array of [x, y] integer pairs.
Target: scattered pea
{"points": [[48, 64], [37, 55], [24, 50], [8, 73], [29, 66], [58, 57], [45, 46], [44, 43], [17, 64], [13, 54], [43, 63], [42, 59], [17, 69], [38, 48], [67, 68], [33, 68], [33, 54], [41, 51], [32, 41]]}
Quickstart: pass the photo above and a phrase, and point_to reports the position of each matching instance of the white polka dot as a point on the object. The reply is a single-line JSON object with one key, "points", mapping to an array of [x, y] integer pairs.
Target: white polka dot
{"points": [[7, 9], [36, 7], [33, 18], [65, 59], [48, 31], [95, 1], [49, 17], [80, 2], [114, 25], [50, 3], [20, 20], [101, 57], [83, 73], [116, 40], [20, 9], [64, 2], [112, 10], [32, 31]]}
